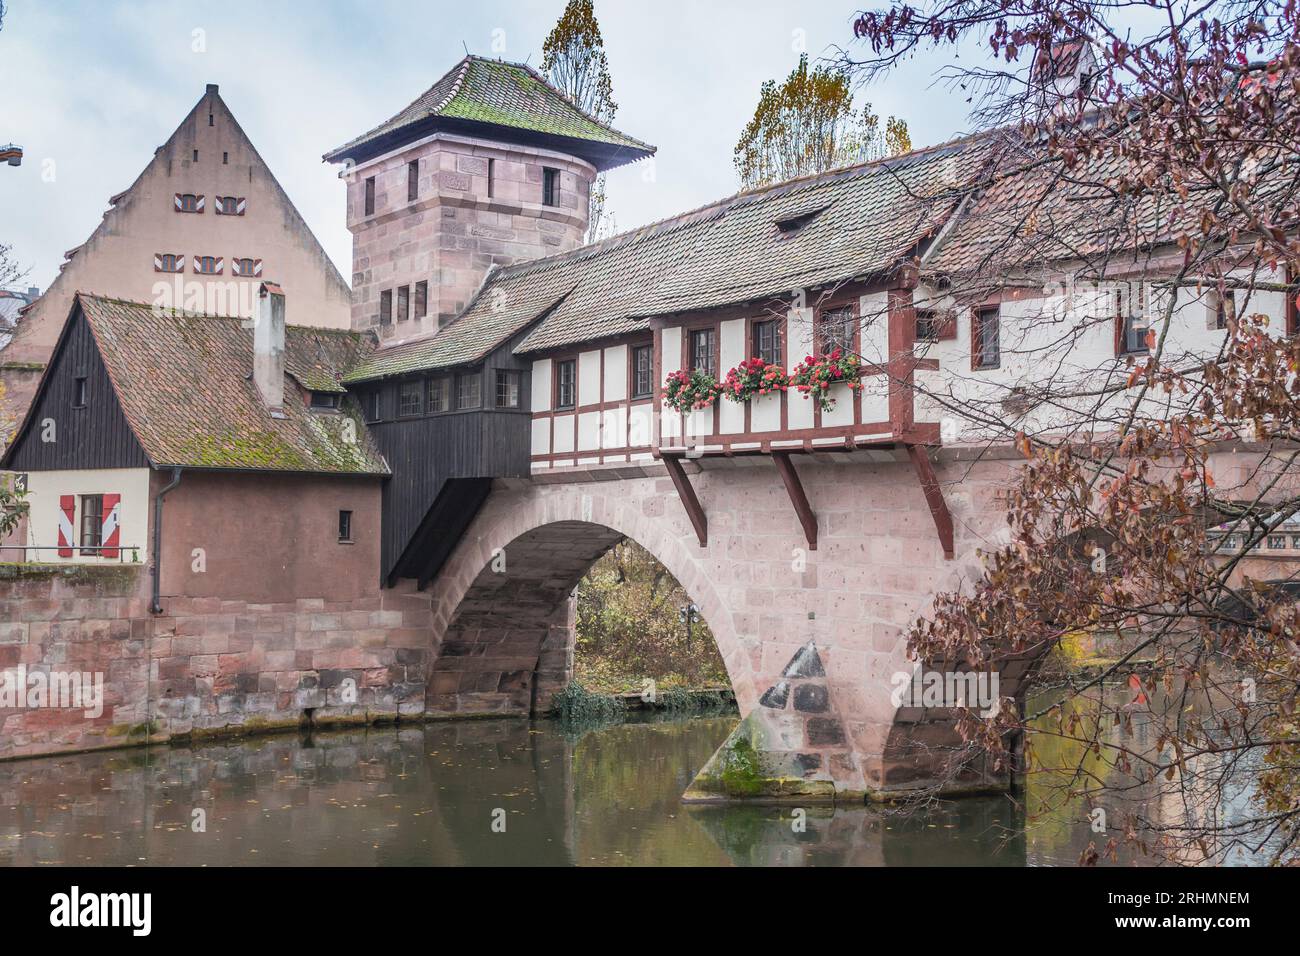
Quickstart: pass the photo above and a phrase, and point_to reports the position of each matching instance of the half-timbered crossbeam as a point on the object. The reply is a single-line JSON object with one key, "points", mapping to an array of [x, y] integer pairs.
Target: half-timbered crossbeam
{"points": [[933, 497], [690, 501], [794, 487]]}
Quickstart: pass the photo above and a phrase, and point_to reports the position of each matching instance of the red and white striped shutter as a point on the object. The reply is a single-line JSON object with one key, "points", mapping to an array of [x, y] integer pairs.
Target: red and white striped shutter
{"points": [[67, 511], [112, 529], [198, 263], [157, 262], [221, 264], [199, 206], [257, 267], [239, 206], [180, 207]]}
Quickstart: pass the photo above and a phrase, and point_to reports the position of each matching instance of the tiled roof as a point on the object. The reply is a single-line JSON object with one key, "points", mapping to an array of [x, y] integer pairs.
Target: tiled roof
{"points": [[867, 218], [185, 384], [502, 94]]}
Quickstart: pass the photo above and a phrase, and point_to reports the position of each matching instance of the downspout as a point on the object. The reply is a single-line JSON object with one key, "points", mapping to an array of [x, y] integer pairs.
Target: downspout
{"points": [[156, 606]]}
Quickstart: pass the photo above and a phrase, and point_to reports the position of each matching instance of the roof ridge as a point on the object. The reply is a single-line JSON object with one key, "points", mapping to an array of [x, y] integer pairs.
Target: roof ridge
{"points": [[726, 201], [187, 314]]}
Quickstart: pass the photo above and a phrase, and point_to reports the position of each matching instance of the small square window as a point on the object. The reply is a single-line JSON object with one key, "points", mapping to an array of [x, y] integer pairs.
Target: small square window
{"points": [[421, 299], [704, 351], [987, 344], [370, 196], [372, 405], [836, 331], [469, 388], [403, 303], [439, 395], [345, 526], [492, 178], [410, 398], [79, 392], [386, 307], [550, 186], [507, 389]]}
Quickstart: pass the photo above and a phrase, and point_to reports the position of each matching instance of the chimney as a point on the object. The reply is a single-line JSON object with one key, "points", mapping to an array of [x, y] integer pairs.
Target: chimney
{"points": [[268, 347]]}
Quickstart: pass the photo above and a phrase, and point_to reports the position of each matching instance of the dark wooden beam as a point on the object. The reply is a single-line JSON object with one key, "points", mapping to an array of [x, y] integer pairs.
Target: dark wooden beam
{"points": [[933, 497], [690, 502], [794, 487]]}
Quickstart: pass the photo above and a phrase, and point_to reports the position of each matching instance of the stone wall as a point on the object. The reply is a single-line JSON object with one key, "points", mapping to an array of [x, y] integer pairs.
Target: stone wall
{"points": [[210, 663]]}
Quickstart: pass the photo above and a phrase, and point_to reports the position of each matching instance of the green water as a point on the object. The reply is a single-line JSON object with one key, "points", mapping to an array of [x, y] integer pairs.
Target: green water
{"points": [[431, 794]]}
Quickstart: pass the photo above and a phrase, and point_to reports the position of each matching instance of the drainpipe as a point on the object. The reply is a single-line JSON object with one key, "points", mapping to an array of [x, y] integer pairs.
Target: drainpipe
{"points": [[156, 607]]}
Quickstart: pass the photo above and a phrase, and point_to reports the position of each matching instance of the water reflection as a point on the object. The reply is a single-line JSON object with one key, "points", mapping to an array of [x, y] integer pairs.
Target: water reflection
{"points": [[429, 795]]}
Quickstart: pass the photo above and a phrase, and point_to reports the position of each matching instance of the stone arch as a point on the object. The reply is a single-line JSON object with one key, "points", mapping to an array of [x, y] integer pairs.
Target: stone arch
{"points": [[503, 618]]}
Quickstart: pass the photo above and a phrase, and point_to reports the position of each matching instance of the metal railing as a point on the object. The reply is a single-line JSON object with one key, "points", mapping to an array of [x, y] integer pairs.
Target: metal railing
{"points": [[77, 551]]}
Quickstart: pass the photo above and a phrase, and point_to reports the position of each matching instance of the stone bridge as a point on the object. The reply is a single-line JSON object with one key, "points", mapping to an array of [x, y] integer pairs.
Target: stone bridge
{"points": [[810, 638]]}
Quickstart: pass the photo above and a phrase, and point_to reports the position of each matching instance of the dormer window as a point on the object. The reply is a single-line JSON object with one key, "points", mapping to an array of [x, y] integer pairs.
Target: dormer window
{"points": [[325, 401], [793, 225]]}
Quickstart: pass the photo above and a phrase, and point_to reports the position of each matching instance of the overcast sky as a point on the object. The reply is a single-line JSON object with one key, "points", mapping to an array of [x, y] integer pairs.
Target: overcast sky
{"points": [[90, 88]]}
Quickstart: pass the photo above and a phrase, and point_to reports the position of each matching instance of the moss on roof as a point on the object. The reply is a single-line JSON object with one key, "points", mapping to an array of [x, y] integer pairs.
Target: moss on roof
{"points": [[185, 385]]}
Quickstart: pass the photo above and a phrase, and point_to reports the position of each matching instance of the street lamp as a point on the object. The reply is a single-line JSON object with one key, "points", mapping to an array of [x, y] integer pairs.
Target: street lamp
{"points": [[689, 615]]}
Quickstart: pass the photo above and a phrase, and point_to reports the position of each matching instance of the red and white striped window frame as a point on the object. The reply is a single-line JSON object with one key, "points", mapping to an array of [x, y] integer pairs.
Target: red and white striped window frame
{"points": [[169, 262], [231, 205], [246, 267], [209, 265], [189, 202]]}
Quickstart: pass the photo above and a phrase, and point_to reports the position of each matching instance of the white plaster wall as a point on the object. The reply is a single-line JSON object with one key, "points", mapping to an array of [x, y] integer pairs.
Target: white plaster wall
{"points": [[616, 374], [589, 378], [45, 488], [541, 387]]}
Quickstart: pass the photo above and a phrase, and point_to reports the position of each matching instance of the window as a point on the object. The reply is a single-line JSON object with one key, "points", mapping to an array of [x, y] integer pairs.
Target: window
{"points": [[92, 523], [492, 178], [795, 224], [1292, 303], [209, 265], [566, 380], [247, 267], [372, 404], [345, 526], [210, 120], [927, 326], [324, 400], [439, 395], [225, 159], [1225, 308], [386, 307], [231, 205], [704, 351], [79, 392], [643, 371], [507, 389], [767, 344], [469, 390], [986, 335], [168, 262], [550, 186], [410, 398], [413, 180], [196, 155], [1276, 542], [1295, 541], [403, 303], [835, 331], [189, 202], [421, 299], [1130, 322], [370, 196]]}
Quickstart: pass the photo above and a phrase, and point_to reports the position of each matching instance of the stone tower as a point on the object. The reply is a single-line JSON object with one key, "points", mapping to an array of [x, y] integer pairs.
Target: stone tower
{"points": [[490, 166]]}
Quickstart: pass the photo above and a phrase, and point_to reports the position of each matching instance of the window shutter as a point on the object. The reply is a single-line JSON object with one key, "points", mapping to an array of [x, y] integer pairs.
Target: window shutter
{"points": [[198, 207], [157, 262], [257, 267], [947, 322], [240, 206], [112, 525], [179, 205], [67, 511], [220, 264]]}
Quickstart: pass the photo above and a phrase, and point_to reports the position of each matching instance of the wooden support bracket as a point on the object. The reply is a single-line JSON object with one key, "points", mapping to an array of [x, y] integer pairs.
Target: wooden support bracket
{"points": [[694, 510], [933, 497], [794, 487]]}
